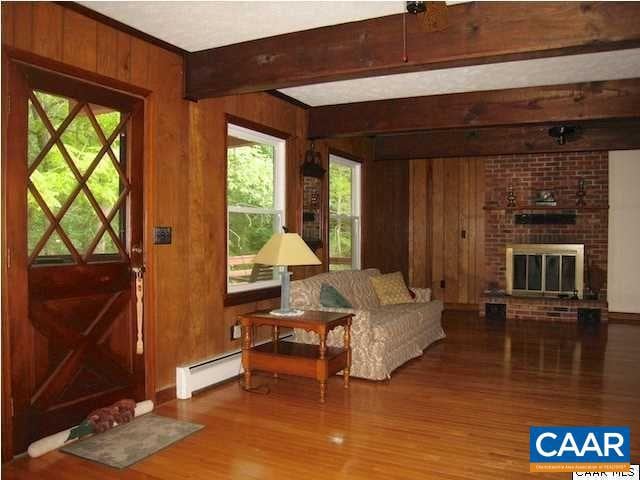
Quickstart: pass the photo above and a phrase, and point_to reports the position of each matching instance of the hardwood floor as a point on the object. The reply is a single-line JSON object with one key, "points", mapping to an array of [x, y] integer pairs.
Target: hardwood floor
{"points": [[461, 411]]}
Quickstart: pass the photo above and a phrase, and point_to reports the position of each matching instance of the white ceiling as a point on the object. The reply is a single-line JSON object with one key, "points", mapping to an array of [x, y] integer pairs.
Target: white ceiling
{"points": [[527, 73], [200, 25]]}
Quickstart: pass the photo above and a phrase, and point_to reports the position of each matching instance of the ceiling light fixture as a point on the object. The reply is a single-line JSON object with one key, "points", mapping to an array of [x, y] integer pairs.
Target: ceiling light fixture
{"points": [[416, 7], [564, 133]]}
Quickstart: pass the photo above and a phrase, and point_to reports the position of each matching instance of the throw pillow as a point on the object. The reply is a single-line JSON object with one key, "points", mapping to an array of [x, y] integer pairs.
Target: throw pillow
{"points": [[391, 289], [331, 297]]}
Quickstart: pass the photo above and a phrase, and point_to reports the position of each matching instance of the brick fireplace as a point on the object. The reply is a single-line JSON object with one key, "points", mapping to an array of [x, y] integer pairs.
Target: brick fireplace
{"points": [[559, 173]]}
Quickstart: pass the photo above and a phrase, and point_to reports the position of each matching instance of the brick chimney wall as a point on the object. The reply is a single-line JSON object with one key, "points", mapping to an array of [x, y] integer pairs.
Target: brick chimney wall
{"points": [[559, 173]]}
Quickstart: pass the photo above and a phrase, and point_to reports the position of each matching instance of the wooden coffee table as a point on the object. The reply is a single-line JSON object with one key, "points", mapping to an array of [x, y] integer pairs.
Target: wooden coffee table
{"points": [[311, 361]]}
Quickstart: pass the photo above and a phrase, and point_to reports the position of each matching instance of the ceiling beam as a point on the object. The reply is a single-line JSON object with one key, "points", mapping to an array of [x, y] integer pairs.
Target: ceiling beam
{"points": [[594, 136], [478, 33], [558, 103]]}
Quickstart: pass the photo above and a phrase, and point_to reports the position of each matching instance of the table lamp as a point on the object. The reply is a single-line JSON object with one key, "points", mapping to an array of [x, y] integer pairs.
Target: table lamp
{"points": [[283, 250]]}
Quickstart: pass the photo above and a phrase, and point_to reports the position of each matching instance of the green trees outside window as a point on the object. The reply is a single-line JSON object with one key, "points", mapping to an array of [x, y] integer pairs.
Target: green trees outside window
{"points": [[344, 206], [254, 209]]}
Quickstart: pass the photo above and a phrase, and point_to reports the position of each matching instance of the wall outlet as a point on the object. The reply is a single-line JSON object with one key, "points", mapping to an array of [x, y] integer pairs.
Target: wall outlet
{"points": [[236, 332]]}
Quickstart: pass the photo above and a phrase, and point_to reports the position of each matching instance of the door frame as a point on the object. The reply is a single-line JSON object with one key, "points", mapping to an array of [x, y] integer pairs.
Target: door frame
{"points": [[12, 57]]}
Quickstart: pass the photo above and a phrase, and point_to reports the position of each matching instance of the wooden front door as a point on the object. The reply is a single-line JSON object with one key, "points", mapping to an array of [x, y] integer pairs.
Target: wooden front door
{"points": [[73, 219]]}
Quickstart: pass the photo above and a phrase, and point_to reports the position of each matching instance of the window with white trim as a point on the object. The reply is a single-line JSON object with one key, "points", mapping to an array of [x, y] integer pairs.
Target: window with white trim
{"points": [[344, 214], [255, 205]]}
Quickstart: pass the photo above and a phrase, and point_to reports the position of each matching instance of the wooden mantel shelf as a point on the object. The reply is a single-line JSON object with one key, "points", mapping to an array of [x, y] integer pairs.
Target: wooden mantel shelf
{"points": [[545, 208]]}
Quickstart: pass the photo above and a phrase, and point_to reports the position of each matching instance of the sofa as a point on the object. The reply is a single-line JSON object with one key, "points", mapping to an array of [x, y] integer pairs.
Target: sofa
{"points": [[383, 337]]}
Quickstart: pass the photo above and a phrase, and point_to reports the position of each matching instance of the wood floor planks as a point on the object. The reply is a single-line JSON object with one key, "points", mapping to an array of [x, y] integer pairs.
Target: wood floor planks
{"points": [[461, 411]]}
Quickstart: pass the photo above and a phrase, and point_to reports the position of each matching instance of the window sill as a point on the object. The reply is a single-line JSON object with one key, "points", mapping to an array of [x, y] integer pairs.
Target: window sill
{"points": [[238, 298]]}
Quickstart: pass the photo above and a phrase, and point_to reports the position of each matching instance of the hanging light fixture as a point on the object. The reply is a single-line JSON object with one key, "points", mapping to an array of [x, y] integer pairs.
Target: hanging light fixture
{"points": [[564, 133]]}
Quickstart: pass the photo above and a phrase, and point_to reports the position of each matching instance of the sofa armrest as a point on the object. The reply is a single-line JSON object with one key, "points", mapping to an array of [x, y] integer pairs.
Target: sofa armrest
{"points": [[423, 295], [361, 325]]}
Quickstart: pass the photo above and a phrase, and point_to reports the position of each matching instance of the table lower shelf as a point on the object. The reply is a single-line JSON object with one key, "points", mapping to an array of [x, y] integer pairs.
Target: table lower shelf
{"points": [[296, 359], [293, 349]]}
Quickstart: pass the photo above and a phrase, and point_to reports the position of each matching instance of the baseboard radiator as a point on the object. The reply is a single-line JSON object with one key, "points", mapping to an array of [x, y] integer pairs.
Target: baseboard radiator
{"points": [[196, 376]]}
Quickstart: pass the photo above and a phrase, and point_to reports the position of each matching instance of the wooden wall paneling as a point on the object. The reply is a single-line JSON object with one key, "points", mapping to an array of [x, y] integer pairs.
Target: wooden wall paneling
{"points": [[420, 228], [231, 318], [150, 325], [170, 143], [451, 210], [7, 16], [106, 50], [429, 220], [199, 213], [463, 231], [448, 199], [47, 30], [213, 132], [471, 227], [79, 40], [400, 196], [410, 241], [385, 238], [139, 61], [437, 231], [22, 24], [123, 49], [479, 200]]}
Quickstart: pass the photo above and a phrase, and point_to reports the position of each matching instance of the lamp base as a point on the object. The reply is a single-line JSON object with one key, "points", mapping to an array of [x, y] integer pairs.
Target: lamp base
{"points": [[292, 312]]}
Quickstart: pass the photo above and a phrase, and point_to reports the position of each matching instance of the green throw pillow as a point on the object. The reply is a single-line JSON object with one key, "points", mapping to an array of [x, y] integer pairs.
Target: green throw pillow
{"points": [[330, 297]]}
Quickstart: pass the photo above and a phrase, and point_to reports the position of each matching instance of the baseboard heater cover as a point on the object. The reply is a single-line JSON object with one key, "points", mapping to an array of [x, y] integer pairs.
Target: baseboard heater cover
{"points": [[196, 376]]}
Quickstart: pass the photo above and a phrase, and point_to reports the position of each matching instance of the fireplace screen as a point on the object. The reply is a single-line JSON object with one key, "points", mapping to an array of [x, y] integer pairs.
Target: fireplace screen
{"points": [[545, 269]]}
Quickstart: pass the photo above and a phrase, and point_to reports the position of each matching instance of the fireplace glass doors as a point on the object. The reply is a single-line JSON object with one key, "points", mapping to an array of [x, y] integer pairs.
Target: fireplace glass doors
{"points": [[545, 269]]}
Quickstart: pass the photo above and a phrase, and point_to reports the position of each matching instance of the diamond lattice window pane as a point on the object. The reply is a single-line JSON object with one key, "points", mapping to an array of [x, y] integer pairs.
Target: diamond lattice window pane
{"points": [[107, 118], [38, 134], [81, 223], [54, 180], [105, 245], [37, 222], [55, 247], [115, 149], [118, 224], [56, 107], [81, 141], [105, 185]]}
